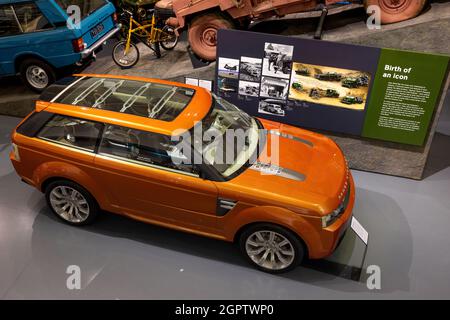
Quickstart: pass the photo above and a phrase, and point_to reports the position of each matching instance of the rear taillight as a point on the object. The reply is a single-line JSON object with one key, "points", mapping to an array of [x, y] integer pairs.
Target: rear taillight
{"points": [[114, 16], [78, 45], [15, 150]]}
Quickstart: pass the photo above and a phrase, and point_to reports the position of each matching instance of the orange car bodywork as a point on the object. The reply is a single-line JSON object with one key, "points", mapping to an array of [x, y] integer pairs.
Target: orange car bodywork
{"points": [[189, 203]]}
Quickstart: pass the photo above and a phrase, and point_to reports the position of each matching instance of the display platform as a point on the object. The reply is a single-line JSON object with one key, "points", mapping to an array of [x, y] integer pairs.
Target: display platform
{"points": [[120, 258]]}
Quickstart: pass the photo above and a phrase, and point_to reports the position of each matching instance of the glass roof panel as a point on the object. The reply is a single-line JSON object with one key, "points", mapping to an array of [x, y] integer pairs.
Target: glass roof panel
{"points": [[145, 99]]}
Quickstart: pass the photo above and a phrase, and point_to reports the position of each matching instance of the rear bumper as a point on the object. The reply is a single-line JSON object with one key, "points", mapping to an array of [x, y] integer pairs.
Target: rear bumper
{"points": [[90, 51], [19, 170]]}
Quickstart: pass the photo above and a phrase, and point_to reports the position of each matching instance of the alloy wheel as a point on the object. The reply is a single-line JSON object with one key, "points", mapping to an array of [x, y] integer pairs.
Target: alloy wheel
{"points": [[37, 77], [69, 204], [270, 250]]}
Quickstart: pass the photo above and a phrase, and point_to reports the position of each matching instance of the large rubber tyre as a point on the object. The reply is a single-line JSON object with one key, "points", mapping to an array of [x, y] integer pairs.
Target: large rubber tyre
{"points": [[202, 34], [293, 246], [397, 10], [125, 62], [36, 74], [171, 44], [86, 200]]}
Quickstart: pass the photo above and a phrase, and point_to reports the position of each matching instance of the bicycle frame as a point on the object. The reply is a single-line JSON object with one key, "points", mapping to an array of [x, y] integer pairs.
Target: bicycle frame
{"points": [[153, 35]]}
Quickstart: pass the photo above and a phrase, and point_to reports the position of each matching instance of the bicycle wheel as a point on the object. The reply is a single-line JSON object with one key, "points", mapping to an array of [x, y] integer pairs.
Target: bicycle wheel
{"points": [[167, 38], [122, 59]]}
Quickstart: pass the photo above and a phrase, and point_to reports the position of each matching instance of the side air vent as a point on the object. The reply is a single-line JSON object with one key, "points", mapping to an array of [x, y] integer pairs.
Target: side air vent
{"points": [[224, 206]]}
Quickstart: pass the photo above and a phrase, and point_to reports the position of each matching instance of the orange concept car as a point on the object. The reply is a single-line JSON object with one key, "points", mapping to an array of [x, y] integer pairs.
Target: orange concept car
{"points": [[131, 146]]}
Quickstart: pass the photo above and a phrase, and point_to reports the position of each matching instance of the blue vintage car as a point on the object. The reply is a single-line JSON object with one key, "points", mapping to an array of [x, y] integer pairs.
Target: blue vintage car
{"points": [[40, 37]]}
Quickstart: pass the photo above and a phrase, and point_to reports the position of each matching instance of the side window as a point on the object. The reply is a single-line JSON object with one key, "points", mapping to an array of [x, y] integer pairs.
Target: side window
{"points": [[144, 147], [30, 17], [8, 22], [72, 132]]}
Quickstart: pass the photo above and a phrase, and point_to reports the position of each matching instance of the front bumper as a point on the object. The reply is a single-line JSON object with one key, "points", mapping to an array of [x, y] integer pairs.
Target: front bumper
{"points": [[331, 236], [90, 51]]}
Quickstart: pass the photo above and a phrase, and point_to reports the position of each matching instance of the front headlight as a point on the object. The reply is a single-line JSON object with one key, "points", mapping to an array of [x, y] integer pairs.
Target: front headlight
{"points": [[332, 217]]}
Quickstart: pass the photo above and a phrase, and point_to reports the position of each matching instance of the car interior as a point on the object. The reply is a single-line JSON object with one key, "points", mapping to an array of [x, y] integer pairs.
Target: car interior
{"points": [[8, 25], [142, 146], [73, 132]]}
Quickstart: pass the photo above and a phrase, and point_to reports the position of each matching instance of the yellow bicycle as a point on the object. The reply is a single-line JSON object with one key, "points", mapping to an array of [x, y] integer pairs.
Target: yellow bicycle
{"points": [[126, 53]]}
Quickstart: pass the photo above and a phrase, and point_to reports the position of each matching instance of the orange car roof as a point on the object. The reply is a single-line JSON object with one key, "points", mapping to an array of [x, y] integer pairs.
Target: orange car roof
{"points": [[190, 110]]}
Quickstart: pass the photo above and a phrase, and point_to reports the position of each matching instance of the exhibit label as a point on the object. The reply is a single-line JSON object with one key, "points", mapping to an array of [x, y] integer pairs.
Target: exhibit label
{"points": [[359, 230]]}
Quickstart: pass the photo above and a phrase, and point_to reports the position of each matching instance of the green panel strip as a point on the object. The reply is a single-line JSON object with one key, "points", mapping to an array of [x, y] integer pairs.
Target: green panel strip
{"points": [[404, 95]]}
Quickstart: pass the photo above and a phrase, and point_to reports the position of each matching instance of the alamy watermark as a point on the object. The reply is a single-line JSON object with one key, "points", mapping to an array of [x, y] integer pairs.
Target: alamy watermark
{"points": [[374, 19], [73, 281], [74, 17], [225, 147], [374, 279]]}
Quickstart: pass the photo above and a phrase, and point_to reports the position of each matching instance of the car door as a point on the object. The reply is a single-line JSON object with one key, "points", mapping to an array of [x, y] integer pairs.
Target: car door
{"points": [[64, 147], [9, 29], [135, 168], [34, 34]]}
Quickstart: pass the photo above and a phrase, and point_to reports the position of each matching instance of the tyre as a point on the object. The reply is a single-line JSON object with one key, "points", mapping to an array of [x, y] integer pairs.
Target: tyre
{"points": [[71, 202], [122, 59], [157, 49], [202, 34], [36, 74], [271, 248], [169, 39], [397, 10]]}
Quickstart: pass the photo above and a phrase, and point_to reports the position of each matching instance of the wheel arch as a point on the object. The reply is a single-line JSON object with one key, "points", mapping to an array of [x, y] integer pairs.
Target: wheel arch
{"points": [[301, 226], [50, 180], [239, 232], [213, 10], [19, 59], [53, 171]]}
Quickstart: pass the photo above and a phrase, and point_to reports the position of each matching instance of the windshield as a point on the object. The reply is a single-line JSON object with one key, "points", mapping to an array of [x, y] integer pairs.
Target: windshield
{"points": [[230, 137], [86, 6]]}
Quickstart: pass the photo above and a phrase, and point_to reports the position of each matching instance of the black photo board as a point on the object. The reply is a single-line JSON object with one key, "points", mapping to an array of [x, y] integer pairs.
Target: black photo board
{"points": [[368, 92]]}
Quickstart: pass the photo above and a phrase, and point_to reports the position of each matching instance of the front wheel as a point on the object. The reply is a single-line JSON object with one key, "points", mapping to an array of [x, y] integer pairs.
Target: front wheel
{"points": [[202, 34], [397, 10], [123, 58], [271, 248], [168, 38]]}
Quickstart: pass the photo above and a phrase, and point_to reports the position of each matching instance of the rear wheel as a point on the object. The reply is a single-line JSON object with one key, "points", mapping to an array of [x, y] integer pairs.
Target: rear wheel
{"points": [[202, 34], [397, 10], [36, 74], [124, 59], [168, 38], [71, 203], [271, 248]]}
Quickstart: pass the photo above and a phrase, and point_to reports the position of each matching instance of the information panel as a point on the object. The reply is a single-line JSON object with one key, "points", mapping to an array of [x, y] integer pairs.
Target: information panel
{"points": [[364, 91], [405, 92]]}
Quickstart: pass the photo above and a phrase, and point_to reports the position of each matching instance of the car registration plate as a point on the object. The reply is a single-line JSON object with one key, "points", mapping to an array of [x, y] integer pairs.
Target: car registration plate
{"points": [[96, 30]]}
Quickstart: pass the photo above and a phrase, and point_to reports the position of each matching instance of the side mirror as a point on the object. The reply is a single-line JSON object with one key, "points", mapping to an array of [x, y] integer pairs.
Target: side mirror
{"points": [[201, 174]]}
